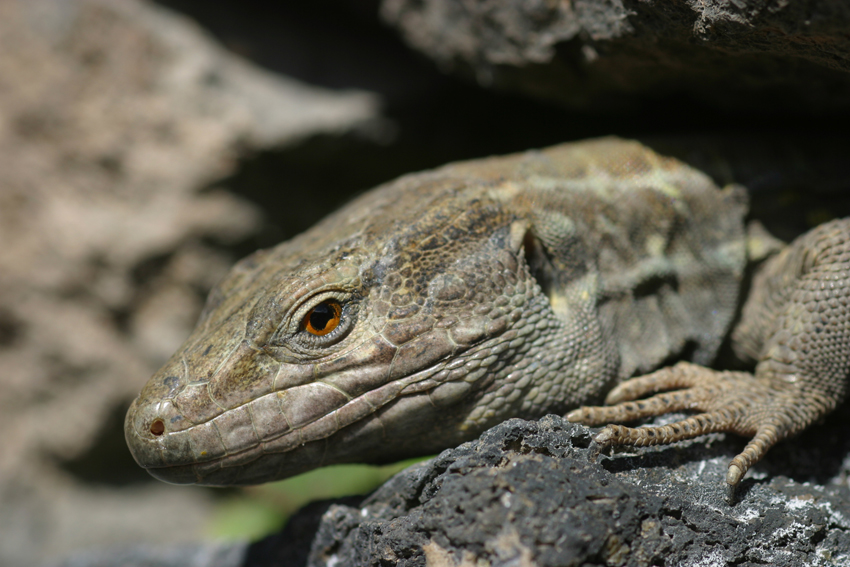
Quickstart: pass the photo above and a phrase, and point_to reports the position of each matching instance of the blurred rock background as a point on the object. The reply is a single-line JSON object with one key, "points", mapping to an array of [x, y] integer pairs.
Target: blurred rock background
{"points": [[145, 146]]}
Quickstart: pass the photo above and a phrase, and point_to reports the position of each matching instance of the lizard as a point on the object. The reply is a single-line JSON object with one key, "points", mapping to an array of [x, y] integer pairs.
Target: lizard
{"points": [[442, 303]]}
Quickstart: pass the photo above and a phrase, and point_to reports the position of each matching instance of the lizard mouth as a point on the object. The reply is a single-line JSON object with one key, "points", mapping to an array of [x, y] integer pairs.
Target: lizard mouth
{"points": [[232, 448], [248, 467]]}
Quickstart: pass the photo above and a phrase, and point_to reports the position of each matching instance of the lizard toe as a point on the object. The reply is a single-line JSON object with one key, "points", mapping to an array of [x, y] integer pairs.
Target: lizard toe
{"points": [[694, 426], [694, 388], [682, 376]]}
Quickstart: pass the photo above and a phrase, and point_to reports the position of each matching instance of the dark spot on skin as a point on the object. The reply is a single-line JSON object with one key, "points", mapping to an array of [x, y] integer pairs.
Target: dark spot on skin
{"points": [[454, 233], [653, 284], [403, 312], [432, 243], [207, 350], [368, 277], [392, 281]]}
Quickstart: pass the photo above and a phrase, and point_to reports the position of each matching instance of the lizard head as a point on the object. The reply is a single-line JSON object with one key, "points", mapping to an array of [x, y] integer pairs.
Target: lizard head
{"points": [[442, 303], [368, 338]]}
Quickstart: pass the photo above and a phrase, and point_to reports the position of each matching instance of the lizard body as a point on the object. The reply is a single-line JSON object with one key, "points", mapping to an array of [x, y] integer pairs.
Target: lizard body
{"points": [[442, 303]]}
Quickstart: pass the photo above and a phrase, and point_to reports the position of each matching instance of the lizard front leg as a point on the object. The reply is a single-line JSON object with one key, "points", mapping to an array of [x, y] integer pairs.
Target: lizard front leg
{"points": [[796, 324]]}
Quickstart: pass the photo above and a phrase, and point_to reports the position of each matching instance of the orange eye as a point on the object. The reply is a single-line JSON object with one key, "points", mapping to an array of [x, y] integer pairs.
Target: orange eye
{"points": [[323, 318]]}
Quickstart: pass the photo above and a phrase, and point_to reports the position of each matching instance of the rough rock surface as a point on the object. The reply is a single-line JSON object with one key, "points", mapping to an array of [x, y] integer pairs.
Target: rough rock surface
{"points": [[792, 57], [532, 493], [117, 118]]}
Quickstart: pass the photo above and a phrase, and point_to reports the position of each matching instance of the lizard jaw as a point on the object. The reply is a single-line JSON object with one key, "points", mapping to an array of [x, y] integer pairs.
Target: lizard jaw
{"points": [[220, 452]]}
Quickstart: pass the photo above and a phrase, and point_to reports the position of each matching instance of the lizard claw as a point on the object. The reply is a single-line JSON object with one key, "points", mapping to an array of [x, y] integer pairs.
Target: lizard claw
{"points": [[604, 438], [734, 474]]}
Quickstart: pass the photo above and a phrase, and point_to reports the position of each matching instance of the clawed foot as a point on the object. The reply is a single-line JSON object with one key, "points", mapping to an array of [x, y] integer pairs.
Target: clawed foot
{"points": [[735, 402]]}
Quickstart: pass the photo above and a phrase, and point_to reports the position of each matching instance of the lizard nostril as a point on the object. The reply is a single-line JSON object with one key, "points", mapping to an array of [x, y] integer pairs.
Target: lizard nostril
{"points": [[157, 427]]}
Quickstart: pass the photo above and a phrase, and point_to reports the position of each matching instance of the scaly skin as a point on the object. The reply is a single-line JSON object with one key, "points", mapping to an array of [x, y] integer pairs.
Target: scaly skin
{"points": [[506, 287], [795, 324]]}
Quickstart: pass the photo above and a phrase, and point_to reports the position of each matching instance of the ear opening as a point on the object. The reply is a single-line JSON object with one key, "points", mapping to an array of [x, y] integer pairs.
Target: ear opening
{"points": [[539, 263], [559, 261]]}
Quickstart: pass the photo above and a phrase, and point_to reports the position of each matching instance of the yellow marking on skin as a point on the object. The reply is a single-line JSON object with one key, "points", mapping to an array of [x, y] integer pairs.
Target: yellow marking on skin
{"points": [[549, 183], [655, 245], [560, 303], [518, 232], [506, 190], [668, 189]]}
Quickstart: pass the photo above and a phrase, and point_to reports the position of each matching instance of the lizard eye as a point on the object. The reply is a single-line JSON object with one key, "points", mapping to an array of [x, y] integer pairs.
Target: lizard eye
{"points": [[321, 321], [323, 318]]}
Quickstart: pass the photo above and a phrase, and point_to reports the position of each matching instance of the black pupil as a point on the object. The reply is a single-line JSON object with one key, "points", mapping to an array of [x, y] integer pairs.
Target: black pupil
{"points": [[321, 315]]}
